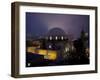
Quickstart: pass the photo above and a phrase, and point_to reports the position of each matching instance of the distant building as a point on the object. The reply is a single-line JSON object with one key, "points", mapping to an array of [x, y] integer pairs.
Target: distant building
{"points": [[56, 39], [58, 47]]}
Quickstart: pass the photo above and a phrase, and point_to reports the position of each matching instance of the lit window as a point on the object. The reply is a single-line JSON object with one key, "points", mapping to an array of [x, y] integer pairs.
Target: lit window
{"points": [[50, 46], [56, 37], [29, 64], [62, 37], [66, 49], [50, 38]]}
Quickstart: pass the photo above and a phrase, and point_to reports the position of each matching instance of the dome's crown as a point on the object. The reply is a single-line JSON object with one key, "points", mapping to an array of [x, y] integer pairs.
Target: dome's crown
{"points": [[56, 32]]}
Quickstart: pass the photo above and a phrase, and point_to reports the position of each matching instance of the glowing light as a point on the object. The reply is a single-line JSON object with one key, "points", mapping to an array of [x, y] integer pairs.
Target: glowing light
{"points": [[56, 37], [62, 37], [66, 49], [50, 37], [42, 52], [50, 46], [52, 55], [46, 57], [48, 54], [29, 64]]}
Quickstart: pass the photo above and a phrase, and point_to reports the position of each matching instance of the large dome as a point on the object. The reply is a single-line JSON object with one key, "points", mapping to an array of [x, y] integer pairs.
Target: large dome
{"points": [[56, 32]]}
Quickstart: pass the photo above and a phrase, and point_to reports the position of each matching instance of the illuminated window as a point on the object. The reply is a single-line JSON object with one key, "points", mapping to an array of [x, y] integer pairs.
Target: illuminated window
{"points": [[56, 37], [50, 46], [66, 49], [62, 37], [50, 38], [29, 64]]}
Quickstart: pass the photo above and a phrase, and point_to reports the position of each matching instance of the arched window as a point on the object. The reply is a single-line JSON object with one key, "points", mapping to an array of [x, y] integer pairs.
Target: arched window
{"points": [[50, 37], [62, 37], [56, 37]]}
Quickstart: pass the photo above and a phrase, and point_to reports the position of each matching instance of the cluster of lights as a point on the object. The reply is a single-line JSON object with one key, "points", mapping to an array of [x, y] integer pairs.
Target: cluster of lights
{"points": [[56, 38]]}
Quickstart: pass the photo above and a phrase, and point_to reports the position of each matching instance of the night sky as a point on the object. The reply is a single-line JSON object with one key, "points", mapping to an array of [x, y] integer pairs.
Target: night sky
{"points": [[38, 24]]}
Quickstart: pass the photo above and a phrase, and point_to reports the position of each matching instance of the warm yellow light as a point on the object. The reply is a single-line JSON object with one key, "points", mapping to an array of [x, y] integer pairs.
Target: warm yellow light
{"points": [[52, 55], [31, 49], [48, 54], [42, 52]]}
